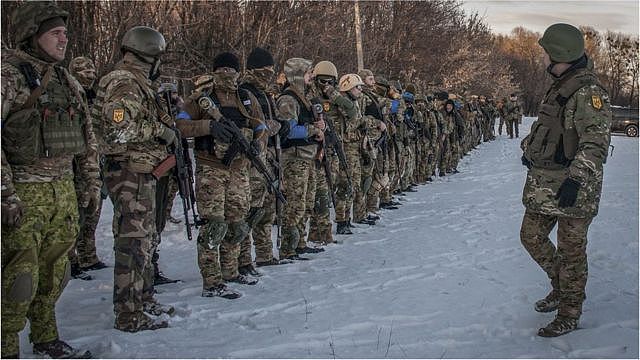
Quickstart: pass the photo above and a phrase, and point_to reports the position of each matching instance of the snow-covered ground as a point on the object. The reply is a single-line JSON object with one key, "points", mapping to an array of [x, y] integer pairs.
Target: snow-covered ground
{"points": [[443, 276]]}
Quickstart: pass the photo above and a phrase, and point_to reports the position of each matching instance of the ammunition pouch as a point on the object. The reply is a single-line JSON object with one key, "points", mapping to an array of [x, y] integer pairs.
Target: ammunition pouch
{"points": [[212, 234]]}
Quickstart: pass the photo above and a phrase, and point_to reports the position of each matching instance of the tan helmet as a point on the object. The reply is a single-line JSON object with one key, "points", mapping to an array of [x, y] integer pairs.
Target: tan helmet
{"points": [[325, 68], [349, 81]]}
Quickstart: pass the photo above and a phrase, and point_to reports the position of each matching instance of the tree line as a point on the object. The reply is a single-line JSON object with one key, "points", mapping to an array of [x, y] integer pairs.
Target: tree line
{"points": [[434, 44]]}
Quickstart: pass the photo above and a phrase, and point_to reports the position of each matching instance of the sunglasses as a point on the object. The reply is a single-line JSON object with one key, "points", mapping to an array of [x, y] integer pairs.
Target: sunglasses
{"points": [[325, 81]]}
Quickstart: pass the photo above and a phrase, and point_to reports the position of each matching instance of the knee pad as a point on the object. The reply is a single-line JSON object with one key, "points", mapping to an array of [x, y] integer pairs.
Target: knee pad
{"points": [[292, 234], [322, 204], [237, 232], [22, 288], [214, 232], [366, 184], [254, 216]]}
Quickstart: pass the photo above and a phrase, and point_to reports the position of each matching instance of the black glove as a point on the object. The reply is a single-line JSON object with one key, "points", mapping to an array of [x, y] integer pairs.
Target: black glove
{"points": [[256, 147], [525, 162], [221, 132], [284, 129], [568, 193]]}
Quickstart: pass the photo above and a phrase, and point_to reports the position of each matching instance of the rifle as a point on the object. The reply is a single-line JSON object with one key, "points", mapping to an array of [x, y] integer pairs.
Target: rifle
{"points": [[332, 138], [280, 175], [317, 111], [183, 172]]}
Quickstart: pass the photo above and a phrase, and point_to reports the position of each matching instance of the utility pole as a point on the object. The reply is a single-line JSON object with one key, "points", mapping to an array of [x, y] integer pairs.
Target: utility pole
{"points": [[356, 10]]}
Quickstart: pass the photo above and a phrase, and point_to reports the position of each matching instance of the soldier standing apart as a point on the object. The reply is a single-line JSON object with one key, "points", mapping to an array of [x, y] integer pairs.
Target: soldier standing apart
{"points": [[299, 148], [563, 186], [129, 124], [44, 127], [513, 115], [222, 171], [83, 256]]}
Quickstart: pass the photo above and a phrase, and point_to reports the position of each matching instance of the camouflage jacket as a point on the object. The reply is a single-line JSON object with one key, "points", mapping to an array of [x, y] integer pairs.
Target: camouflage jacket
{"points": [[588, 112], [15, 93], [511, 110], [126, 116]]}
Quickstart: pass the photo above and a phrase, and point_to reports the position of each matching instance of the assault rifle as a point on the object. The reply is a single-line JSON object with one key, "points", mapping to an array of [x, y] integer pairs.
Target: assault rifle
{"points": [[317, 111], [181, 162]]}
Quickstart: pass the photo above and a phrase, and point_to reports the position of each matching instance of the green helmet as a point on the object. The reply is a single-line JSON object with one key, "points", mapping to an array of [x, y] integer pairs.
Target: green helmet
{"points": [[563, 42], [27, 18], [144, 42], [325, 68], [380, 80]]}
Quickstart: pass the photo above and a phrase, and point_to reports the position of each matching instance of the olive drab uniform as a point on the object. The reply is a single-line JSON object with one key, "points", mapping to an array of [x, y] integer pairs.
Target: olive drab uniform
{"points": [[299, 148], [127, 122], [568, 143], [512, 114], [44, 127], [223, 190]]}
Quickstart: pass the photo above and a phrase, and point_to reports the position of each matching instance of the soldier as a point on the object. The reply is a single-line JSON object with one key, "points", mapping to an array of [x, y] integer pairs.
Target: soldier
{"points": [[132, 130], [257, 79], [44, 127], [301, 137], [512, 114], [488, 111], [563, 185], [222, 171], [499, 106], [83, 256], [428, 138]]}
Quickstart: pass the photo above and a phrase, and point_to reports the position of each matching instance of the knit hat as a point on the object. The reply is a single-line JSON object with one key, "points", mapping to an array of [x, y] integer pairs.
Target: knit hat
{"points": [[226, 59], [259, 58]]}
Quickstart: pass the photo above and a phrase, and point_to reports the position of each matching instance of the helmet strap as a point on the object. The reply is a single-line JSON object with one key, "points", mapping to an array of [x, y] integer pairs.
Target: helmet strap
{"points": [[154, 72]]}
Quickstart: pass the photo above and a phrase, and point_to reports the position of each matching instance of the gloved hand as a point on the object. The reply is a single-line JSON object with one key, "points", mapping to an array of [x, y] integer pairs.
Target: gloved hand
{"points": [[12, 211], [90, 198], [526, 162], [221, 132], [328, 91], [568, 193], [284, 129], [168, 136]]}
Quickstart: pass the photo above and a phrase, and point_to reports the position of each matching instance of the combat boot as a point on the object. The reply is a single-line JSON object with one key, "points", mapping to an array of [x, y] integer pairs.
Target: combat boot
{"points": [[271, 262], [156, 309], [429, 179], [559, 326], [366, 221], [243, 279], [77, 273], [58, 349], [373, 217], [138, 321], [249, 270], [296, 257], [222, 291], [343, 228], [97, 266], [309, 250], [160, 279], [549, 303]]}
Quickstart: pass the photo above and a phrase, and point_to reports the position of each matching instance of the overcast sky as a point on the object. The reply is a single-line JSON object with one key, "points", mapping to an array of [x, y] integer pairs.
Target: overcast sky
{"points": [[503, 16]]}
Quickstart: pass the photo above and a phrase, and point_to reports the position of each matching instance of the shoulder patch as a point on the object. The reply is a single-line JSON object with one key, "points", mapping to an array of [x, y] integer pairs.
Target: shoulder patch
{"points": [[246, 102], [596, 102], [118, 115], [326, 106]]}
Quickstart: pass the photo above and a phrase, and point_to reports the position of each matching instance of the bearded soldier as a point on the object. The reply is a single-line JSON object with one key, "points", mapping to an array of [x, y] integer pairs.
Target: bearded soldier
{"points": [[83, 256], [44, 127], [564, 153], [132, 127]]}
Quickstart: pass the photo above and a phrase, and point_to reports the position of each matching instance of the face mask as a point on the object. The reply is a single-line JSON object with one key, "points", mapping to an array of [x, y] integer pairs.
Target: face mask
{"points": [[226, 80]]}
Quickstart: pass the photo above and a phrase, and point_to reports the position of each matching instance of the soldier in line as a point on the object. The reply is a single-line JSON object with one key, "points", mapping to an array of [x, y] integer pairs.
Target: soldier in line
{"points": [[132, 127], [222, 173], [44, 130], [563, 187], [83, 256]]}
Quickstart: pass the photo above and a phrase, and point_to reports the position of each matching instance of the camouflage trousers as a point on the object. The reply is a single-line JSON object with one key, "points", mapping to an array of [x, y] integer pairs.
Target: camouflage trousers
{"points": [[434, 155], [223, 199], [345, 201], [84, 253], [371, 177], [35, 267], [445, 156], [320, 224], [500, 125], [566, 264], [261, 232], [299, 190], [316, 175], [165, 194], [134, 231], [392, 171], [513, 128], [256, 213], [409, 164]]}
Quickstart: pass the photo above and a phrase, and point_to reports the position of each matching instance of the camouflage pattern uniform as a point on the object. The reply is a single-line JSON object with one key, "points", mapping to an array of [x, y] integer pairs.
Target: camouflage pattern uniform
{"points": [[584, 124], [299, 150], [223, 192], [37, 177], [84, 253], [512, 114], [446, 126]]}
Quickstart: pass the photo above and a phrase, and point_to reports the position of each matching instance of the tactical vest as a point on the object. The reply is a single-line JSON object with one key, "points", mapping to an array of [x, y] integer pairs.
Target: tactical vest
{"points": [[52, 126], [266, 104], [550, 145], [373, 109], [240, 116], [304, 118]]}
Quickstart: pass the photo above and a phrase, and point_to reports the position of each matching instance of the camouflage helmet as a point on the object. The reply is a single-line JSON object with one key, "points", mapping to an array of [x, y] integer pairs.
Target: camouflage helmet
{"points": [[144, 42], [382, 81], [349, 81], [364, 73], [28, 16], [563, 42], [325, 68]]}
